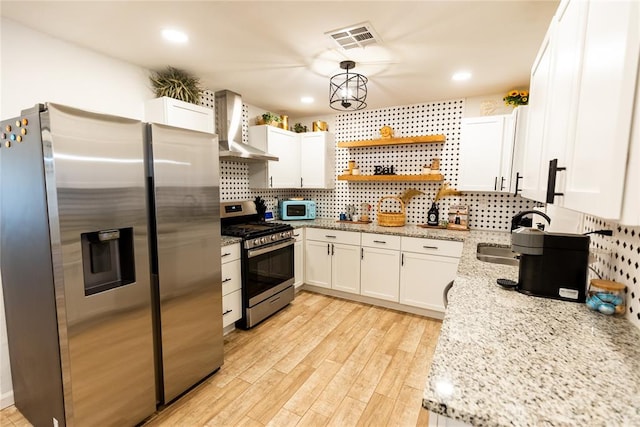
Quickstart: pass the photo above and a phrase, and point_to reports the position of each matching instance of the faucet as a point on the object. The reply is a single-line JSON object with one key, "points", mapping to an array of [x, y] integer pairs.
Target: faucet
{"points": [[517, 218]]}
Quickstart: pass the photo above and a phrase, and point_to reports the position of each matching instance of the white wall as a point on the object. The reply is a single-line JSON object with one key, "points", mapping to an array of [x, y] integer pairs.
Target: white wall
{"points": [[38, 68]]}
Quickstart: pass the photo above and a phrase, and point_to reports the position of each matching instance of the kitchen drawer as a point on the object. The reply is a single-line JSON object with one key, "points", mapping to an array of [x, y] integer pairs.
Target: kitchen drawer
{"points": [[432, 246], [385, 241], [230, 252], [333, 236], [231, 308], [231, 277], [298, 234]]}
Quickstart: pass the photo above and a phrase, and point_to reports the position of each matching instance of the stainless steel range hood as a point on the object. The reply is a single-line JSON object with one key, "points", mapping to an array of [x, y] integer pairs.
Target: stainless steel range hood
{"points": [[229, 130]]}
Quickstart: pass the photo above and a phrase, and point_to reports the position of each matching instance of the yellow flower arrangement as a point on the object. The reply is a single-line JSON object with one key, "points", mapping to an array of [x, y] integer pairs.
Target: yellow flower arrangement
{"points": [[517, 97]]}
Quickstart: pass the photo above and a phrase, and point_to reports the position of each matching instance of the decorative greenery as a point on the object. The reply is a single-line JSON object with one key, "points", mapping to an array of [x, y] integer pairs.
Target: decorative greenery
{"points": [[516, 98], [177, 84], [298, 128], [269, 117]]}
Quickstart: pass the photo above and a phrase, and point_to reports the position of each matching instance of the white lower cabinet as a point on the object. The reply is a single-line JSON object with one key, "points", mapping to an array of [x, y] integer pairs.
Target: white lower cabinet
{"points": [[380, 266], [408, 271], [298, 257], [332, 259], [427, 266], [231, 284]]}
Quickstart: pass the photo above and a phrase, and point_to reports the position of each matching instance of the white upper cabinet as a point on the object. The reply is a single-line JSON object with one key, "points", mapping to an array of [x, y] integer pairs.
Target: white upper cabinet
{"points": [[597, 163], [581, 111], [486, 149], [306, 160], [533, 181], [317, 160], [284, 173], [173, 112]]}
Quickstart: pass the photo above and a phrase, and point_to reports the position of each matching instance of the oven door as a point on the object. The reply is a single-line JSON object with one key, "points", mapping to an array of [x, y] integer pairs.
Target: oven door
{"points": [[269, 270]]}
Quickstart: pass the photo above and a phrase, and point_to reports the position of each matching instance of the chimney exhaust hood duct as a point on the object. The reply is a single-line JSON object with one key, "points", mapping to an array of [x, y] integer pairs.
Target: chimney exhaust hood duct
{"points": [[229, 130]]}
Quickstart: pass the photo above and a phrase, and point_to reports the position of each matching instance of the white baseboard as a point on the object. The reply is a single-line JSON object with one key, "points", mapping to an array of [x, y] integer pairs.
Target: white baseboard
{"points": [[6, 399]]}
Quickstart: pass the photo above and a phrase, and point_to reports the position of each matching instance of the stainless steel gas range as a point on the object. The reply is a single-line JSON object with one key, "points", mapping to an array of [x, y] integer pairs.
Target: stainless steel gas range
{"points": [[267, 261]]}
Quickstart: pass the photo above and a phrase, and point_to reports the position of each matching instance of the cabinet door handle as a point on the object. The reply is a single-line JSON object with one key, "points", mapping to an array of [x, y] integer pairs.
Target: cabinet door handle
{"points": [[380, 241], [329, 236], [227, 312], [227, 280], [361, 253], [518, 178], [495, 184], [502, 183], [332, 249], [431, 247], [328, 249], [270, 181], [402, 259], [225, 254], [300, 182], [551, 182]]}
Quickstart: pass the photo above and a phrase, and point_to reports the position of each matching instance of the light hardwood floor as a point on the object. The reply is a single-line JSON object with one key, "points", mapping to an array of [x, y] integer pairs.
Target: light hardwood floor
{"points": [[321, 361]]}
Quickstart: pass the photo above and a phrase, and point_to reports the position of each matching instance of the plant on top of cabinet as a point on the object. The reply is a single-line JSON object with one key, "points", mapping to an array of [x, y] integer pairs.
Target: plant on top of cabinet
{"points": [[516, 97], [270, 119], [176, 84]]}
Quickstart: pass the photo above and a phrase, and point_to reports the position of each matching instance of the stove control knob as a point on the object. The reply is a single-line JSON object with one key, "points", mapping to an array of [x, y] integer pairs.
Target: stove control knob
{"points": [[256, 242], [273, 237], [283, 235], [263, 240]]}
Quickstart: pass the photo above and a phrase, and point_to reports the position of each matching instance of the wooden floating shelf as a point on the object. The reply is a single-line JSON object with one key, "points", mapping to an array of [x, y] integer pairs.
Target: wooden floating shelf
{"points": [[428, 139], [391, 178]]}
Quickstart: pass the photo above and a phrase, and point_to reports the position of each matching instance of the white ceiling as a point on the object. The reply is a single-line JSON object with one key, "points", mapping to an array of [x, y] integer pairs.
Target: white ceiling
{"points": [[274, 52]]}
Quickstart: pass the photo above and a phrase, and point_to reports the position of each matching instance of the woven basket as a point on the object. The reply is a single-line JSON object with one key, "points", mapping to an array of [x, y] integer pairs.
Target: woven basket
{"points": [[391, 219]]}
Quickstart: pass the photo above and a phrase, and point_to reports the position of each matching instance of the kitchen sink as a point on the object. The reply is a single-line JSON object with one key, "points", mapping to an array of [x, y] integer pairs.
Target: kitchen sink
{"points": [[496, 254]]}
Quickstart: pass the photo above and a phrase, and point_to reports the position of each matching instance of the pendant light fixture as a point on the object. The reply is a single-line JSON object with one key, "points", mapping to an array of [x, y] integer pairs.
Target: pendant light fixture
{"points": [[348, 91]]}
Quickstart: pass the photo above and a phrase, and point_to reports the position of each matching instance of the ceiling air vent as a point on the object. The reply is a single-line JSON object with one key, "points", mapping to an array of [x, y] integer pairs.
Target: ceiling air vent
{"points": [[359, 35]]}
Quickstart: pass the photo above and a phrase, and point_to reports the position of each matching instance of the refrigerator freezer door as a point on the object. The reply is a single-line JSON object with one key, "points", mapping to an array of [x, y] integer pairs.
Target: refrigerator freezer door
{"points": [[187, 205], [95, 179]]}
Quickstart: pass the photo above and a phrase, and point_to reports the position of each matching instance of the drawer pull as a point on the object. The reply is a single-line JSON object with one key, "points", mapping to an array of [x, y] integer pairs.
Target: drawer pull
{"points": [[329, 236], [227, 312], [296, 235], [380, 241], [227, 280], [225, 254], [431, 247]]}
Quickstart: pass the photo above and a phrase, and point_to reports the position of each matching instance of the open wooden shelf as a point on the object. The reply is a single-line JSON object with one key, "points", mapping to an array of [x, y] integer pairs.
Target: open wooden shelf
{"points": [[429, 139], [391, 178]]}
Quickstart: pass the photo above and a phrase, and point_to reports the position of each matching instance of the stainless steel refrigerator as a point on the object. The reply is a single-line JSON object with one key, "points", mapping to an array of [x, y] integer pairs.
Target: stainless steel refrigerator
{"points": [[110, 240]]}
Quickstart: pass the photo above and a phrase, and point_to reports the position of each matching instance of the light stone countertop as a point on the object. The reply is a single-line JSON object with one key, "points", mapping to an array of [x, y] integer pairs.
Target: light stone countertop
{"points": [[407, 230], [507, 359], [228, 240]]}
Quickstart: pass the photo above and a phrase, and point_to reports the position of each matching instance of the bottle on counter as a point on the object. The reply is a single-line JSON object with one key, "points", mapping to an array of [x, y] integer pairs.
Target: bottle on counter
{"points": [[433, 216]]}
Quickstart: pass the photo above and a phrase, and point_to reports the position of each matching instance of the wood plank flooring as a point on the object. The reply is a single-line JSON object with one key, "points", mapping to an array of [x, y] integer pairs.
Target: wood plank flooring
{"points": [[322, 361]]}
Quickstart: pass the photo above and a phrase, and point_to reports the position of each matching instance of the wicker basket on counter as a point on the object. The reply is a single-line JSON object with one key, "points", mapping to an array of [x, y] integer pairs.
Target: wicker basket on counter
{"points": [[391, 219]]}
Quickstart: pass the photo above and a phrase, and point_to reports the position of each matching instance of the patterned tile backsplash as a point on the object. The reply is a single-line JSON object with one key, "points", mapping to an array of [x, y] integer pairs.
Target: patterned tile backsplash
{"points": [[618, 256], [487, 210]]}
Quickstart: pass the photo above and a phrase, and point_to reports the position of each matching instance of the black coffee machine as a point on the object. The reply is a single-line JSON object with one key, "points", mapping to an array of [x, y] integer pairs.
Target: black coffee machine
{"points": [[552, 265]]}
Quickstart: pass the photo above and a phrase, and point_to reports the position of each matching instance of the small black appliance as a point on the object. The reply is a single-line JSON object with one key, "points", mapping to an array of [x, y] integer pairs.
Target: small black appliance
{"points": [[552, 265]]}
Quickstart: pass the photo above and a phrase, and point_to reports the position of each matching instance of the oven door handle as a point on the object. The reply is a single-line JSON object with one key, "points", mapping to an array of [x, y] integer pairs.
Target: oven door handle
{"points": [[263, 250]]}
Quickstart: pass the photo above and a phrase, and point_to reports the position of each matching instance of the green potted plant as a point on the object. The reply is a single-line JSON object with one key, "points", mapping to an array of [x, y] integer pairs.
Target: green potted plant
{"points": [[298, 128], [177, 84], [270, 118]]}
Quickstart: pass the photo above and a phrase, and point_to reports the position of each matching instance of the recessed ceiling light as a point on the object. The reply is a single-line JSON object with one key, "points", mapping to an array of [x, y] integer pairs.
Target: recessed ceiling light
{"points": [[174, 36], [306, 100], [461, 75]]}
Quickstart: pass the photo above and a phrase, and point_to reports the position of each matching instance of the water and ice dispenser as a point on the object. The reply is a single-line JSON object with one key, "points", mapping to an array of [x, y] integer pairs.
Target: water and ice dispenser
{"points": [[107, 259]]}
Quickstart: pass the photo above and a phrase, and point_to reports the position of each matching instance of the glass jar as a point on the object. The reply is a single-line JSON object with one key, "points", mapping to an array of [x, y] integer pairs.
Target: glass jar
{"points": [[606, 296]]}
